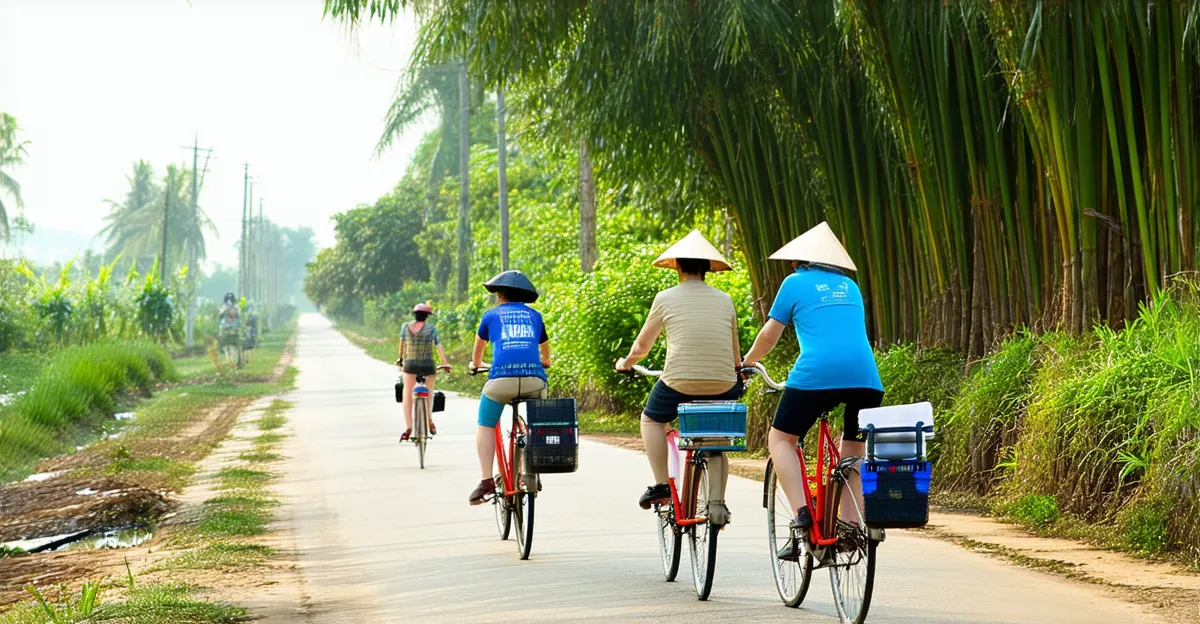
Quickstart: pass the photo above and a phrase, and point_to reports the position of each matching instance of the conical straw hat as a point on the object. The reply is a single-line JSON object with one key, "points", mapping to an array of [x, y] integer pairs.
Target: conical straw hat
{"points": [[819, 246], [695, 246]]}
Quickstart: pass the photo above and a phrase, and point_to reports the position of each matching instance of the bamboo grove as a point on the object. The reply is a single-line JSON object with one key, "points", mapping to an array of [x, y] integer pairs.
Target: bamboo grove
{"points": [[990, 164]]}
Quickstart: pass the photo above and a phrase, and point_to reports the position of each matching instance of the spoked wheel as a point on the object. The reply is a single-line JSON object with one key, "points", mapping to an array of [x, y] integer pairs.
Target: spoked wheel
{"points": [[420, 430], [523, 504], [852, 572], [791, 577], [500, 504], [670, 541], [702, 538]]}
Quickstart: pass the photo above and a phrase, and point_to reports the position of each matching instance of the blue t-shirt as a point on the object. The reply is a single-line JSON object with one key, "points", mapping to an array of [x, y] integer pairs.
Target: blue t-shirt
{"points": [[515, 331], [826, 310]]}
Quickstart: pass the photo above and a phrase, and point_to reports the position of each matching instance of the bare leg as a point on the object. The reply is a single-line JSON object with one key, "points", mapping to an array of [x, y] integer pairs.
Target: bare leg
{"points": [[654, 441], [485, 444], [429, 381], [852, 498], [787, 466], [410, 382]]}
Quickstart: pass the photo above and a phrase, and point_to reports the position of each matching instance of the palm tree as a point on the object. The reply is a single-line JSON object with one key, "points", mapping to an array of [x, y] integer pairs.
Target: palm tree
{"points": [[135, 225], [12, 153]]}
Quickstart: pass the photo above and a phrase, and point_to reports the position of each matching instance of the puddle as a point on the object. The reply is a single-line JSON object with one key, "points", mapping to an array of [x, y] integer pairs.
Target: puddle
{"points": [[99, 539], [44, 476], [86, 492], [114, 538], [124, 416]]}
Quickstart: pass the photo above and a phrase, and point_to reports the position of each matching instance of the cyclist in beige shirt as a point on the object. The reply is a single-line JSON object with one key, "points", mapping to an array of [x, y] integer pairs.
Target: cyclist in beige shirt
{"points": [[703, 356]]}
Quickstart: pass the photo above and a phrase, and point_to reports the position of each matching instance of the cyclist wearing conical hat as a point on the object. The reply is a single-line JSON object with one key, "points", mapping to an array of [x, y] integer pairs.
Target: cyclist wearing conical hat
{"points": [[836, 364], [520, 356], [703, 355]]}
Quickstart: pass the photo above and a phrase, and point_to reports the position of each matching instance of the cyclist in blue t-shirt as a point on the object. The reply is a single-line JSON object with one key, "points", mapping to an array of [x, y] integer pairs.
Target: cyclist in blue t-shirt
{"points": [[836, 364], [520, 356]]}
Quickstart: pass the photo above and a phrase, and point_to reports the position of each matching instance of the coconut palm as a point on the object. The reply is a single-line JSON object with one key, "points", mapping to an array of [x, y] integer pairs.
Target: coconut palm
{"points": [[135, 225], [12, 153]]}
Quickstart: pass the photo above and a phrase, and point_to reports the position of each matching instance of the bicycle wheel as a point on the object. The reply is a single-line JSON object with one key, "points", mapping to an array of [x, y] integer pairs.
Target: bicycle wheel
{"points": [[503, 508], [852, 568], [702, 538], [420, 428], [670, 542], [791, 577], [523, 505]]}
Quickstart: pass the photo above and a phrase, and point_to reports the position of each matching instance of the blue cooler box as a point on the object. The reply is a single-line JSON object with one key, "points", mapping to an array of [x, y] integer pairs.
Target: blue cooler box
{"points": [[712, 426], [896, 493]]}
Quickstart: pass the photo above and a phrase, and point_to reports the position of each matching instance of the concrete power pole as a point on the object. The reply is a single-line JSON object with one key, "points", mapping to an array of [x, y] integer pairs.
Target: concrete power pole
{"points": [[242, 250], [162, 258], [502, 171], [190, 324]]}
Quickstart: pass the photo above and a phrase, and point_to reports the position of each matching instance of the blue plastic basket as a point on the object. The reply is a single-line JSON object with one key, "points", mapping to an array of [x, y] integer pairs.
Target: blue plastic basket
{"points": [[713, 425]]}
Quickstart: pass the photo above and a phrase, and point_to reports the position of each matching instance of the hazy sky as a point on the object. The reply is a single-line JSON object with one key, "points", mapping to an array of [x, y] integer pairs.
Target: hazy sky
{"points": [[98, 84]]}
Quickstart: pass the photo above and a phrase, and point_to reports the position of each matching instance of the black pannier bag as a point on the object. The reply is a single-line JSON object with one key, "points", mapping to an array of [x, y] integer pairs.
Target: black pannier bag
{"points": [[552, 436]]}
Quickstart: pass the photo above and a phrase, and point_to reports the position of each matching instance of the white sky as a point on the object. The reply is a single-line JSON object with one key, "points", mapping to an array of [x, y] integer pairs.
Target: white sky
{"points": [[98, 84]]}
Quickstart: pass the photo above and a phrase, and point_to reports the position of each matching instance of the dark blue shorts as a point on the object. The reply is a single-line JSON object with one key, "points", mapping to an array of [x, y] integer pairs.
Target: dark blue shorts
{"points": [[663, 404]]}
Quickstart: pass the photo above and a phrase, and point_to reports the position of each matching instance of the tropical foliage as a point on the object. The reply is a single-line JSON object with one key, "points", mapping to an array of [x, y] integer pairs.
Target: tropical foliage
{"points": [[12, 154], [989, 165]]}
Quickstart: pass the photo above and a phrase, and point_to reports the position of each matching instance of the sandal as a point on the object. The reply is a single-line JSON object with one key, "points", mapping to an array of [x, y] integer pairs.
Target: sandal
{"points": [[406, 435], [485, 488]]}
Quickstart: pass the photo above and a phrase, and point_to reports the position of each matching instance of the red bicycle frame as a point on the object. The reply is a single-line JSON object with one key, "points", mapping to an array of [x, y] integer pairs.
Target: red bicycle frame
{"points": [[505, 463], [828, 456], [683, 518]]}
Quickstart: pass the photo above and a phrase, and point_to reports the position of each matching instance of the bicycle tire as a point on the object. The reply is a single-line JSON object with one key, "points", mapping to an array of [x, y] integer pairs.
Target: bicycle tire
{"points": [[852, 571], [523, 507], [670, 540], [503, 507], [702, 538], [792, 578], [420, 429]]}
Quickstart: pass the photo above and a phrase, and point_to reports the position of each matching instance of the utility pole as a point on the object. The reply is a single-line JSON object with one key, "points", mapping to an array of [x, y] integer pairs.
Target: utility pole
{"points": [[162, 258], [242, 250], [259, 258], [193, 235]]}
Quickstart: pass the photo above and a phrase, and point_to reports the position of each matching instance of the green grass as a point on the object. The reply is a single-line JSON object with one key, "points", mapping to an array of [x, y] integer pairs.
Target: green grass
{"points": [[18, 371], [217, 556], [76, 388], [269, 438], [272, 417], [173, 474], [146, 604], [259, 456], [233, 523], [243, 478], [1032, 510], [602, 422]]}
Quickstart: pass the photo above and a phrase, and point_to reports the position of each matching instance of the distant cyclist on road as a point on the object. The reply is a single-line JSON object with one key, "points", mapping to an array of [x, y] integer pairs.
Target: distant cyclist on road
{"points": [[703, 356], [836, 365], [230, 314], [418, 340], [520, 356]]}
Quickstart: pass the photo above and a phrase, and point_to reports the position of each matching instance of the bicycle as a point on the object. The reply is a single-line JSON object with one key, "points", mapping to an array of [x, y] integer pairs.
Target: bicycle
{"points": [[688, 511], [421, 414], [230, 343], [519, 480], [846, 549]]}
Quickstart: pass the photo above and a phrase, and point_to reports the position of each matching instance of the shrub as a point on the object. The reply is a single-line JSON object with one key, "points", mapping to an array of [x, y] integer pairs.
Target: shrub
{"points": [[77, 383], [1036, 510], [1144, 526]]}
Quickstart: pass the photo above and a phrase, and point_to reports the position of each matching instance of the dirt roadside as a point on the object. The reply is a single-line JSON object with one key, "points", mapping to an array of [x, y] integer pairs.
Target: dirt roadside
{"points": [[1168, 589], [135, 480]]}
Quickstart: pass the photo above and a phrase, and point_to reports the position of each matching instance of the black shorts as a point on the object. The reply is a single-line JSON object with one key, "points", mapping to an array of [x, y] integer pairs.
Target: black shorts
{"points": [[425, 368], [799, 409], [663, 404]]}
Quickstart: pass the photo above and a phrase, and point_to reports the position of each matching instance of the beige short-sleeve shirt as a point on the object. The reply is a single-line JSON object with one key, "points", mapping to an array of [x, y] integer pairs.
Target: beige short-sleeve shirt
{"points": [[700, 323]]}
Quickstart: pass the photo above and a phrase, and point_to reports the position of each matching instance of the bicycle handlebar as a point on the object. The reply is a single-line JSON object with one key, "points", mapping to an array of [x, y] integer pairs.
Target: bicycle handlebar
{"points": [[638, 369], [482, 369], [761, 371]]}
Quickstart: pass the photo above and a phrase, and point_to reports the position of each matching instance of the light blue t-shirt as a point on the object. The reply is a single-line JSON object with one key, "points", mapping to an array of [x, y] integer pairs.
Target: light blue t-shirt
{"points": [[826, 310]]}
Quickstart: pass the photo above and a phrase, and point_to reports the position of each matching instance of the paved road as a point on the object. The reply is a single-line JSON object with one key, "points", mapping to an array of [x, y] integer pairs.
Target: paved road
{"points": [[382, 541]]}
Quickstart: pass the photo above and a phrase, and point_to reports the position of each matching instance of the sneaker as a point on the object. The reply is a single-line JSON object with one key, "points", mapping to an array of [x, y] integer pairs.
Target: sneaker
{"points": [[718, 513], [790, 551], [657, 493], [803, 520], [406, 435], [486, 488]]}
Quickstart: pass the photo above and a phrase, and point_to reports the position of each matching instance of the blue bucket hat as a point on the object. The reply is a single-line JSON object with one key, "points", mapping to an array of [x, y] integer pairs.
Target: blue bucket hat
{"points": [[515, 286]]}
